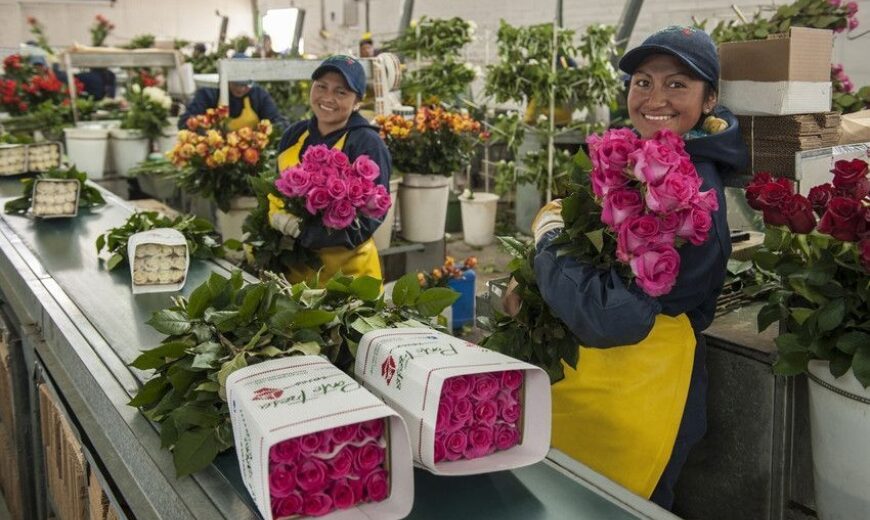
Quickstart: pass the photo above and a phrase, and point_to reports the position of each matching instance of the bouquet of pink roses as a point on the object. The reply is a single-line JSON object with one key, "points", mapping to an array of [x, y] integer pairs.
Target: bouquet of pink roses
{"points": [[327, 186], [648, 195]]}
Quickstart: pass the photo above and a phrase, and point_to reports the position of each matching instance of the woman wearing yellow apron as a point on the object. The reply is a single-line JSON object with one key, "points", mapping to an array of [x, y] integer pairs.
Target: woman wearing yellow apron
{"points": [[249, 103], [338, 86], [636, 403]]}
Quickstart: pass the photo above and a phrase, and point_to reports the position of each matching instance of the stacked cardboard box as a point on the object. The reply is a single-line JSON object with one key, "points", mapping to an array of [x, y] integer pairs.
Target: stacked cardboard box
{"points": [[66, 469], [10, 483], [773, 141], [7, 408], [100, 507]]}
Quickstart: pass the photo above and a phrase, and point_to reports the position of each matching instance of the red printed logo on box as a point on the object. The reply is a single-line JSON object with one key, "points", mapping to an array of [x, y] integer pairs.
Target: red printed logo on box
{"points": [[388, 369], [267, 394]]}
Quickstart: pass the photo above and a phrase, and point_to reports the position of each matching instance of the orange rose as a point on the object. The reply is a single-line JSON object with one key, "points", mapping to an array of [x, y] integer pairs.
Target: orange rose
{"points": [[192, 123], [251, 156], [245, 133], [233, 155], [201, 149]]}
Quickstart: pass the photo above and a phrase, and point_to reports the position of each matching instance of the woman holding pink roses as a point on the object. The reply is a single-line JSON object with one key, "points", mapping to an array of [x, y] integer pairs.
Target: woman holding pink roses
{"points": [[636, 403], [338, 86]]}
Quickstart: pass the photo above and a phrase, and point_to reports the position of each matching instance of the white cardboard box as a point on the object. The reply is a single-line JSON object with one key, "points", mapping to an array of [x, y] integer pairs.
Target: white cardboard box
{"points": [[308, 394], [407, 367], [775, 98], [157, 237], [42, 197]]}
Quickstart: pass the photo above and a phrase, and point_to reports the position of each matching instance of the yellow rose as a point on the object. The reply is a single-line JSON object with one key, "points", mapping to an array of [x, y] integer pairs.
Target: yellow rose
{"points": [[219, 156], [184, 136], [233, 139], [246, 133], [215, 139]]}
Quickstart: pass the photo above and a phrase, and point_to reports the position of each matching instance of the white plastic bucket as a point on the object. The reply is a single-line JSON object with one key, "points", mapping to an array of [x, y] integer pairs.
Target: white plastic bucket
{"points": [[167, 141], [839, 427], [229, 223], [129, 148], [423, 206], [86, 148], [384, 233], [478, 218]]}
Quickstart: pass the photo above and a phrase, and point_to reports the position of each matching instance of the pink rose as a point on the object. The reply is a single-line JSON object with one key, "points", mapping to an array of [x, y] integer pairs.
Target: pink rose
{"points": [[480, 442], [656, 270], [636, 236], [484, 387], [340, 465], [378, 203], [337, 188], [316, 200], [455, 443], [294, 182], [463, 412], [366, 168], [668, 224], [440, 450], [376, 485], [346, 433], [287, 506], [310, 443], [285, 452], [707, 200], [851, 9], [695, 225], [318, 178], [311, 475], [620, 204], [510, 411], [506, 436], [282, 480], [338, 160], [654, 161], [356, 191], [670, 139], [673, 193], [457, 387], [486, 413], [368, 457], [853, 23], [610, 157], [373, 429], [339, 214], [316, 155], [342, 495], [512, 379], [317, 504], [445, 412]]}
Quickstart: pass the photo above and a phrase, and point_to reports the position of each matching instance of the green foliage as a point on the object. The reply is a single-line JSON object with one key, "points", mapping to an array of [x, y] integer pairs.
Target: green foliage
{"points": [[141, 41], [149, 111], [443, 80], [433, 38], [89, 196], [846, 103], [822, 301], [291, 97], [202, 241], [159, 167], [819, 14], [226, 325]]}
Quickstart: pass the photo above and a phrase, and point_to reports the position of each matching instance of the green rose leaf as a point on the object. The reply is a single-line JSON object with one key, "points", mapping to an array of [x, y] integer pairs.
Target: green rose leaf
{"points": [[849, 342], [840, 363], [310, 318], [169, 322], [366, 288], [831, 315], [228, 368], [194, 451], [168, 434], [791, 364], [861, 365], [150, 393], [768, 314], [432, 301], [114, 261], [308, 348], [406, 290], [192, 414]]}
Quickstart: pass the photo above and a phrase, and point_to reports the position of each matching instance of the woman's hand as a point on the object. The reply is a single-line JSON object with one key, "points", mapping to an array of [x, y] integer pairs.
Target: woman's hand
{"points": [[511, 301]]}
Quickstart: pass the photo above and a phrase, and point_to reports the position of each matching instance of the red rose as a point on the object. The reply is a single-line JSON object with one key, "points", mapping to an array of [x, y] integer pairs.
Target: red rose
{"points": [[864, 251], [799, 216], [844, 219], [753, 189], [852, 176], [820, 196], [771, 199]]}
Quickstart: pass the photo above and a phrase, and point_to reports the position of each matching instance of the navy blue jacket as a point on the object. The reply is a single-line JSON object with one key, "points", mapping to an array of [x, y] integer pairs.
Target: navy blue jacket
{"points": [[603, 312], [362, 139], [261, 102]]}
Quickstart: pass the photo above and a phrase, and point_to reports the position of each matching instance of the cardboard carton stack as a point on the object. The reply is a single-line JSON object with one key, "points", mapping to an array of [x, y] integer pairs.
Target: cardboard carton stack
{"points": [[780, 89], [65, 464]]}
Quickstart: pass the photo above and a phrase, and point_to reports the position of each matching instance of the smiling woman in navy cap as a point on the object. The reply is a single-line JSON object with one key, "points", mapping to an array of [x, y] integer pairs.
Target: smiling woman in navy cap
{"points": [[633, 413], [338, 86]]}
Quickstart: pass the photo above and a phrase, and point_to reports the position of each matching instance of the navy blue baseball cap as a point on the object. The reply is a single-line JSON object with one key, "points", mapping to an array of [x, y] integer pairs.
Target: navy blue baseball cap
{"points": [[691, 46], [349, 67]]}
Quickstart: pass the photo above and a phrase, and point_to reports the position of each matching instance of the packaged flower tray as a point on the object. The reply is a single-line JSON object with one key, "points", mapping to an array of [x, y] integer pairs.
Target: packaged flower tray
{"points": [[159, 260], [13, 159], [42, 157], [469, 410], [312, 442], [54, 198]]}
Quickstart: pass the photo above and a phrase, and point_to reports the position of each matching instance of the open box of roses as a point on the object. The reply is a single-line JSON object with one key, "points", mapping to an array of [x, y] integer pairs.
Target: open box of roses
{"points": [[469, 410], [311, 441]]}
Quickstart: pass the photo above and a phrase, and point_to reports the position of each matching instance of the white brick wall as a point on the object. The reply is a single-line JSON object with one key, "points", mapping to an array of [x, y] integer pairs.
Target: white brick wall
{"points": [[655, 14]]}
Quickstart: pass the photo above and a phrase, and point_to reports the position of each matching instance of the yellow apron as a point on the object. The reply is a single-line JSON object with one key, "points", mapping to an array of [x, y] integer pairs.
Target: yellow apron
{"points": [[620, 410], [247, 117], [362, 260]]}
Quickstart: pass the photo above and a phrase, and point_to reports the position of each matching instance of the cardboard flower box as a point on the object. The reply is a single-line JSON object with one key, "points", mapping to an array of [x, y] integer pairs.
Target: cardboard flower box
{"points": [[159, 260], [55, 198], [312, 441], [497, 407]]}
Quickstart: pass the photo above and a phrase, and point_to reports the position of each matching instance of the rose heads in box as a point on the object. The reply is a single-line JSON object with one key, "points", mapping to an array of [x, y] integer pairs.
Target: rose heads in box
{"points": [[159, 260], [464, 404], [54, 198], [312, 441]]}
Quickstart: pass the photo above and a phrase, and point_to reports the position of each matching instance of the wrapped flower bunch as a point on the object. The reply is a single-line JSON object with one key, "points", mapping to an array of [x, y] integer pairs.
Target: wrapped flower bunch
{"points": [[478, 415], [327, 470], [327, 186], [650, 197]]}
